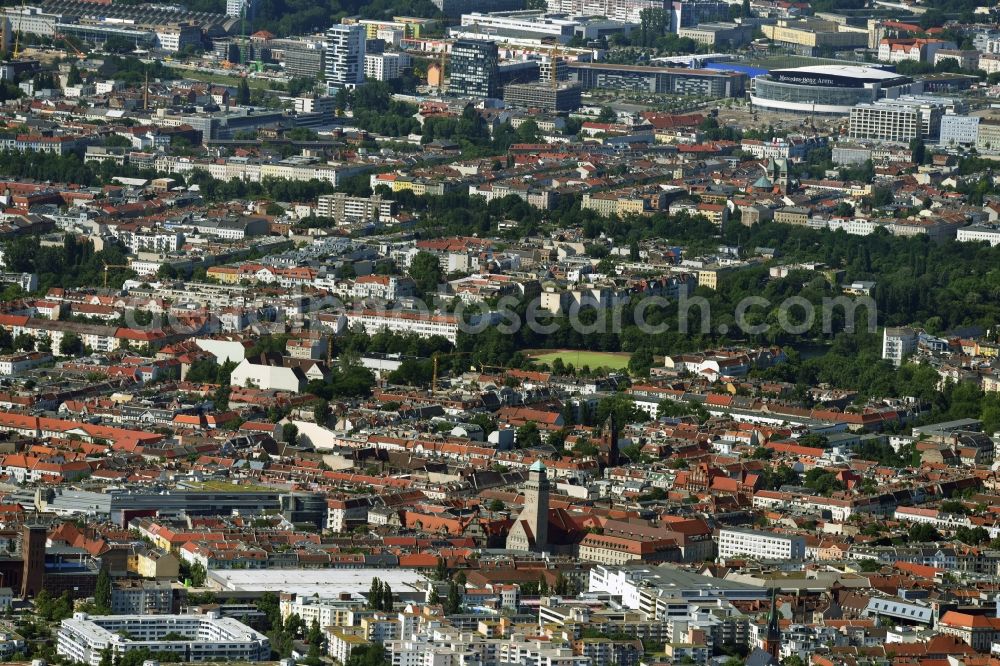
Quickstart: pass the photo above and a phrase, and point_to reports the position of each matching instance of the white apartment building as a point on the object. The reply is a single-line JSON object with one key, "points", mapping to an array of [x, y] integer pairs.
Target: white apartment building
{"points": [[382, 287], [855, 227], [897, 343], [391, 36], [397, 321], [141, 597], [343, 514], [10, 643], [177, 37], [990, 62], [253, 171], [978, 233], [629, 11], [446, 646], [959, 130], [320, 104], [789, 148], [31, 20], [542, 26], [345, 56], [762, 150], [235, 7], [760, 545], [386, 66], [151, 241], [83, 638], [327, 611], [95, 336], [344, 209], [900, 119], [916, 50], [342, 642], [328, 172], [15, 364], [939, 519], [567, 300]]}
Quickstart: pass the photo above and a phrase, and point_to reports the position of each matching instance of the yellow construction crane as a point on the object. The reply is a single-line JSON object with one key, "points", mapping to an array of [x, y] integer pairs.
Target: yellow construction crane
{"points": [[482, 368], [554, 63], [17, 33], [443, 64], [434, 376], [108, 267]]}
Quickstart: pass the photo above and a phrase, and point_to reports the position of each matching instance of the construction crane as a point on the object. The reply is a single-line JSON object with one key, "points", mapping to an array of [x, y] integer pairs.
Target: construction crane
{"points": [[80, 55], [244, 42], [554, 64], [444, 59], [501, 368], [434, 376], [108, 267], [17, 33]]}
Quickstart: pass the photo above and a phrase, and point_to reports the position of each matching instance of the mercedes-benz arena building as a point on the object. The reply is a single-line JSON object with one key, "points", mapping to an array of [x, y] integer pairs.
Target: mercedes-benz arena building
{"points": [[828, 89]]}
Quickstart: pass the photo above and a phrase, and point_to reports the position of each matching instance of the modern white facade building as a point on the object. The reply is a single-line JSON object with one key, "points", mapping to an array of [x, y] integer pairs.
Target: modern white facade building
{"points": [[345, 56], [209, 637], [386, 66], [900, 119], [235, 7], [897, 343], [267, 377], [959, 130], [760, 545]]}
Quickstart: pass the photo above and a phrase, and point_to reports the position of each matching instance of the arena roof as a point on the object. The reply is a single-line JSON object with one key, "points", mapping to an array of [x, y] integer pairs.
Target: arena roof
{"points": [[847, 71]]}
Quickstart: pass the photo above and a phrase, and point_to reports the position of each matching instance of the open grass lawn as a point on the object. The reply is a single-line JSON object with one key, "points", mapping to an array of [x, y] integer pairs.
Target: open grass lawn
{"points": [[613, 360]]}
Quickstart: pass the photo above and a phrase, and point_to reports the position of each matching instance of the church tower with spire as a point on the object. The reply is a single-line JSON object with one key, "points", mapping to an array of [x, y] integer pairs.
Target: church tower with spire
{"points": [[530, 531], [772, 639]]}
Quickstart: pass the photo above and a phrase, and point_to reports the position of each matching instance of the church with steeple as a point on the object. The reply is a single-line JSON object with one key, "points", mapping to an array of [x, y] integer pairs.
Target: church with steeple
{"points": [[772, 639], [530, 532]]}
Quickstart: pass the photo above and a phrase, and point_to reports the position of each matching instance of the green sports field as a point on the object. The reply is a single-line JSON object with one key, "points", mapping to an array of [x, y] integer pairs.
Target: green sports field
{"points": [[612, 360]]}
